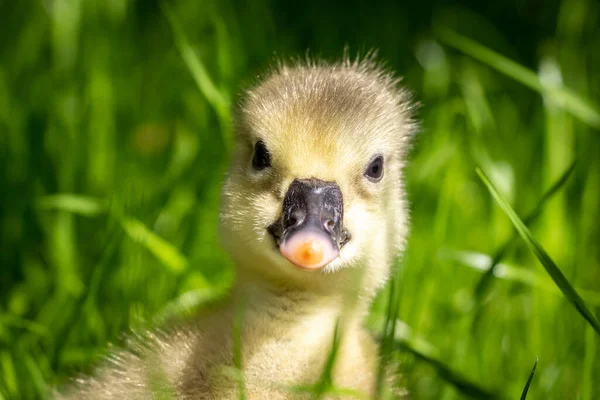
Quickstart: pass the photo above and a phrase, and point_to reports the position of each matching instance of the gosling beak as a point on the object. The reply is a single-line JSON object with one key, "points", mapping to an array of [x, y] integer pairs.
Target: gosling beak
{"points": [[309, 232]]}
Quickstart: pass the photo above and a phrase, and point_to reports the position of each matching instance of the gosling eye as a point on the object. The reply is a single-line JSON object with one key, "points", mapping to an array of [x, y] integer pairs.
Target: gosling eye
{"points": [[374, 171], [262, 157]]}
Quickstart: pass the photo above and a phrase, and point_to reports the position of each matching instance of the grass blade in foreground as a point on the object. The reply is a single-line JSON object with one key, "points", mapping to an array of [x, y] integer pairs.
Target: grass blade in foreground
{"points": [[555, 273], [456, 379], [480, 262], [485, 280], [404, 340], [238, 324], [526, 388], [325, 385], [569, 100], [387, 338]]}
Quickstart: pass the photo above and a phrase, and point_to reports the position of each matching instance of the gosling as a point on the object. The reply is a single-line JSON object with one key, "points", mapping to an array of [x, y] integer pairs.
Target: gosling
{"points": [[313, 214]]}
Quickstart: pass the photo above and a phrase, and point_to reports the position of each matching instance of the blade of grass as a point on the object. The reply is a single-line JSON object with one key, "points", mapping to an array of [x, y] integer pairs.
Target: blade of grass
{"points": [[587, 386], [238, 349], [159, 384], [526, 388], [333, 391], [325, 383], [78, 356], [163, 250], [387, 339], [135, 229], [77, 204], [567, 99], [485, 280], [216, 98], [404, 340], [9, 375], [480, 262], [188, 302], [555, 273], [36, 375], [456, 379], [31, 326]]}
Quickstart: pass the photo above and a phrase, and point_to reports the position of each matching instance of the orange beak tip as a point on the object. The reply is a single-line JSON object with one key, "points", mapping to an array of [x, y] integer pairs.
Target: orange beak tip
{"points": [[309, 251]]}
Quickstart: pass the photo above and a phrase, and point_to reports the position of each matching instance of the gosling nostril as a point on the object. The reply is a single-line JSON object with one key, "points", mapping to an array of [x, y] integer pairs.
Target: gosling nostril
{"points": [[294, 219], [328, 224]]}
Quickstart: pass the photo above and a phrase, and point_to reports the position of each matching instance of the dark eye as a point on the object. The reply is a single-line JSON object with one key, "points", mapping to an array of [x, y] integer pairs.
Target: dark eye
{"points": [[262, 157], [374, 171]]}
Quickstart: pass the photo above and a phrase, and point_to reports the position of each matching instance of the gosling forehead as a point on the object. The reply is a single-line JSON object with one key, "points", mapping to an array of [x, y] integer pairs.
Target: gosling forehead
{"points": [[322, 118]]}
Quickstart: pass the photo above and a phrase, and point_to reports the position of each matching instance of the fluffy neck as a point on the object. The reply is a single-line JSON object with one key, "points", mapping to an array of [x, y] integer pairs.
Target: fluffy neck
{"points": [[292, 304]]}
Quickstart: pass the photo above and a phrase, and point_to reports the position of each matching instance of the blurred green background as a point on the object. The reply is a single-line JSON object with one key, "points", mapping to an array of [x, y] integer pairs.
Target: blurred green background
{"points": [[114, 137]]}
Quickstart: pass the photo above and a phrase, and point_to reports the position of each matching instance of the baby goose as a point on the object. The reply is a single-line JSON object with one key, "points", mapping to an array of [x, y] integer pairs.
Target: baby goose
{"points": [[313, 214]]}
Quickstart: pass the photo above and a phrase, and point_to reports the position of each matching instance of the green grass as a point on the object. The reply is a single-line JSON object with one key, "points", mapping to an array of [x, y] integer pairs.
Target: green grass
{"points": [[553, 270], [115, 132], [526, 389]]}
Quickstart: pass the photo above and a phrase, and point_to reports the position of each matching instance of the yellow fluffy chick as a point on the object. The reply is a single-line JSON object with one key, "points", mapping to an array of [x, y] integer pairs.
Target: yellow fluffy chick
{"points": [[313, 214]]}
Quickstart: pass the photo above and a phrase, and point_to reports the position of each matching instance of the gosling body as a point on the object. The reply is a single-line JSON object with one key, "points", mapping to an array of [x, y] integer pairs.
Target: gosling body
{"points": [[311, 125]]}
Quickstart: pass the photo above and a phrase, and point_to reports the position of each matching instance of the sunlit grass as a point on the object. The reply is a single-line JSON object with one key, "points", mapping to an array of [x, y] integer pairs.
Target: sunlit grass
{"points": [[531, 217], [115, 125], [567, 99], [553, 270]]}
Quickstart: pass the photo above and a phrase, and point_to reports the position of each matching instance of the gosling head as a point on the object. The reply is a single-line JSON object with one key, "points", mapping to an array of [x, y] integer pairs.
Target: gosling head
{"points": [[314, 198]]}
